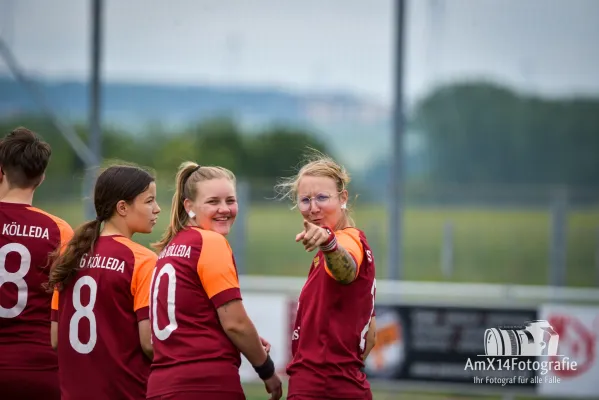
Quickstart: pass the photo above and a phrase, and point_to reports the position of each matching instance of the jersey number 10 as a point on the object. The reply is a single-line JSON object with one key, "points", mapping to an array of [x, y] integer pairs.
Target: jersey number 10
{"points": [[169, 271]]}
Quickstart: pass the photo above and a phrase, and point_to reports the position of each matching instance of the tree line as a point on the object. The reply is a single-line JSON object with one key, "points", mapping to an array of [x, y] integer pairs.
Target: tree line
{"points": [[474, 133], [259, 157], [485, 133]]}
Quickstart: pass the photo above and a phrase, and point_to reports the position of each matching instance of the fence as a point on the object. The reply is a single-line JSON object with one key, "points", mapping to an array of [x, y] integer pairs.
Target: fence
{"points": [[493, 235]]}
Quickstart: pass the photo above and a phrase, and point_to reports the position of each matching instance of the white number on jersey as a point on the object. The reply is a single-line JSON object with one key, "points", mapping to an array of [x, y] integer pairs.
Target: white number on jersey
{"points": [[369, 255], [365, 330], [169, 271], [17, 278], [81, 312]]}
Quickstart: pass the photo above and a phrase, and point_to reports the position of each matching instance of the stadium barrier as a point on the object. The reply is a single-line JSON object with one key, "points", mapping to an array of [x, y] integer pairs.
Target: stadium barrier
{"points": [[430, 337]]}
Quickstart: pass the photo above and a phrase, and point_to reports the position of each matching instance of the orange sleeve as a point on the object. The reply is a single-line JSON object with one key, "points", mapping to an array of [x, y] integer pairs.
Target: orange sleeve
{"points": [[145, 261], [54, 311], [216, 269], [349, 239], [66, 232]]}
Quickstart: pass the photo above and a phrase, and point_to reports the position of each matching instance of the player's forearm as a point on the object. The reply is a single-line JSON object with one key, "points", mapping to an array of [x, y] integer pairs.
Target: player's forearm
{"points": [[54, 335], [341, 265], [145, 338], [370, 338], [245, 337]]}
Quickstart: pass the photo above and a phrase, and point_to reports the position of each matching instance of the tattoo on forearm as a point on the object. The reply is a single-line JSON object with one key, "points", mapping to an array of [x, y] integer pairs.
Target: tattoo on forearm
{"points": [[342, 265]]}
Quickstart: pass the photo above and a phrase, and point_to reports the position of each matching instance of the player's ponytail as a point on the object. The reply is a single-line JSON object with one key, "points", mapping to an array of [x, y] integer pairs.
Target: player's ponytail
{"points": [[179, 217], [66, 264], [117, 183]]}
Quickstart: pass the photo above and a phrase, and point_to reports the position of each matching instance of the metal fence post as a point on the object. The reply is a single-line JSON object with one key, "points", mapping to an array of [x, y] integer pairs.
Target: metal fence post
{"points": [[240, 228], [447, 253], [557, 251]]}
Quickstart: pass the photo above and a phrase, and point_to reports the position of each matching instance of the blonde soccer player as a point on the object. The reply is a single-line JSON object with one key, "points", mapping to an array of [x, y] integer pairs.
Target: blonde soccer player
{"points": [[336, 306], [199, 325]]}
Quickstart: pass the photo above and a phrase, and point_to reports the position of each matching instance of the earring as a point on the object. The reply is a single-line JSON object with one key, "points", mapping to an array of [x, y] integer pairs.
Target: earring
{"points": [[191, 214], [343, 206]]}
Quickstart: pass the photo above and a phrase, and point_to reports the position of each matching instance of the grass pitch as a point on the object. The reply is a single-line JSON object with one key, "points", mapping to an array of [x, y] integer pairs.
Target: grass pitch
{"points": [[490, 245]]}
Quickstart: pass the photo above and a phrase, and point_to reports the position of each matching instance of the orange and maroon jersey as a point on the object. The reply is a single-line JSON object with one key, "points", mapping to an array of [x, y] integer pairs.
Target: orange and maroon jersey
{"points": [[27, 237], [195, 274], [99, 352], [329, 336]]}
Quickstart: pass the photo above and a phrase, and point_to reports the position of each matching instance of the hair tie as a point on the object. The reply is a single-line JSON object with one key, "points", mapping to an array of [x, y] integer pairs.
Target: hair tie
{"points": [[192, 171]]}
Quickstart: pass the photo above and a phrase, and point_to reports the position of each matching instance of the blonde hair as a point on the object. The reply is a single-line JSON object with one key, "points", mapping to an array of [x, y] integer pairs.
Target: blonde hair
{"points": [[316, 164], [188, 176]]}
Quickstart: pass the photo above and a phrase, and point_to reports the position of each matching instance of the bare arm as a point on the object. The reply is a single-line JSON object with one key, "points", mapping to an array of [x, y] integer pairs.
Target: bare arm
{"points": [[240, 329], [341, 265], [54, 335], [370, 338], [145, 338]]}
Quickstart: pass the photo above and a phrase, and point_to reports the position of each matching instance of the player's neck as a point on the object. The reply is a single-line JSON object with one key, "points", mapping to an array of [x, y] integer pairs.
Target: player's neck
{"points": [[20, 196], [114, 228], [342, 224]]}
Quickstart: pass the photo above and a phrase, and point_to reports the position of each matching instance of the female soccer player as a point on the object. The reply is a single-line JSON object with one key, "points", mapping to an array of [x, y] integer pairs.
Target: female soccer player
{"points": [[336, 304], [28, 365], [199, 324], [100, 319]]}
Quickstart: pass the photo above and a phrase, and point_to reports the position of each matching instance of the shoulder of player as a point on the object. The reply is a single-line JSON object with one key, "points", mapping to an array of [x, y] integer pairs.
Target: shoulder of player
{"points": [[140, 253], [351, 232], [61, 223], [212, 239]]}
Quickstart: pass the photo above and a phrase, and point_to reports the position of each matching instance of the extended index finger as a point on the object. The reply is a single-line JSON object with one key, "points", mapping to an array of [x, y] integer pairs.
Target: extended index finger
{"points": [[300, 236]]}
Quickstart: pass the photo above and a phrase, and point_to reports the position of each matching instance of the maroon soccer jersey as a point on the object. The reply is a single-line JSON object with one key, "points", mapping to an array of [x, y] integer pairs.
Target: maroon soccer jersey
{"points": [[329, 337], [195, 274], [99, 353], [27, 237]]}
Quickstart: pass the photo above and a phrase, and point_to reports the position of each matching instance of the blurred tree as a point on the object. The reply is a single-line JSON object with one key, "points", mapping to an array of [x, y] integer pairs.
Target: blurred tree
{"points": [[64, 160], [278, 150], [260, 157], [219, 141], [485, 133]]}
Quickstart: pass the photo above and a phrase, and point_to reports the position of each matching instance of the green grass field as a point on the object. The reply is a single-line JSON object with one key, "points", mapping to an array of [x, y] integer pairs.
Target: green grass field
{"points": [[491, 245], [257, 392]]}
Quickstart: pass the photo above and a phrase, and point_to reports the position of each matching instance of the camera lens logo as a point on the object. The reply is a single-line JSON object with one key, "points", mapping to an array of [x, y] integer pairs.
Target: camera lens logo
{"points": [[535, 338]]}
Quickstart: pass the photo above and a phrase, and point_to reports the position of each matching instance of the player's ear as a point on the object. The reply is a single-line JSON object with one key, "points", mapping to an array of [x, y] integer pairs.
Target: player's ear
{"points": [[343, 196], [187, 204], [121, 208]]}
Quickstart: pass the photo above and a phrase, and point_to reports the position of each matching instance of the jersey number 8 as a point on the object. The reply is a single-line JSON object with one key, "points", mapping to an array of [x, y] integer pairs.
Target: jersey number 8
{"points": [[17, 278], [82, 312]]}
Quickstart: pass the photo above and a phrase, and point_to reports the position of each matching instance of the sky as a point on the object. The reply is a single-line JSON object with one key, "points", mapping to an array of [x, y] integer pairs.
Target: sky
{"points": [[543, 46]]}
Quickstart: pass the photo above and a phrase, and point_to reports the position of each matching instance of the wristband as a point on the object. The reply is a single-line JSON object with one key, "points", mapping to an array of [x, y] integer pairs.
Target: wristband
{"points": [[331, 244], [266, 370]]}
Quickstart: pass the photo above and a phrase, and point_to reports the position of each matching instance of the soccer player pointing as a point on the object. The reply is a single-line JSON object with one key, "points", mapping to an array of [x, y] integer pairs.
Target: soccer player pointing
{"points": [[331, 332], [199, 323]]}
